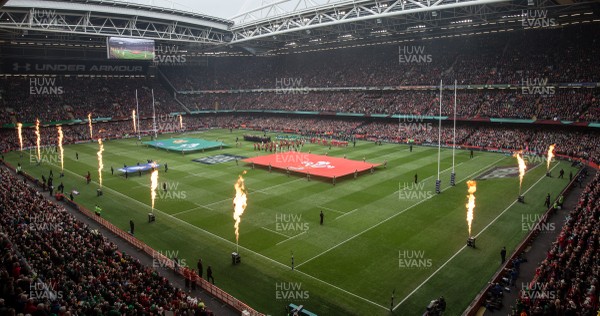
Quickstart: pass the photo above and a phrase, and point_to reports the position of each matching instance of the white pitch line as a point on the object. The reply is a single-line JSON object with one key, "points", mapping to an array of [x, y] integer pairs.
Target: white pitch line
{"points": [[443, 171], [276, 232], [277, 185], [330, 209], [277, 244], [463, 247], [232, 243], [393, 216], [192, 209], [354, 210], [260, 191]]}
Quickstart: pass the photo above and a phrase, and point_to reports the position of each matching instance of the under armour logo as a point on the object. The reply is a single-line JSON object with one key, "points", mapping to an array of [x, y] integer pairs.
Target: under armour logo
{"points": [[26, 67]]}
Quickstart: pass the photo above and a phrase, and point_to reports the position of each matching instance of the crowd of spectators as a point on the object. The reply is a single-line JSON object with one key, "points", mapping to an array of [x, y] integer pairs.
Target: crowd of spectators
{"points": [[566, 282], [564, 104], [54, 264], [102, 97], [507, 58]]}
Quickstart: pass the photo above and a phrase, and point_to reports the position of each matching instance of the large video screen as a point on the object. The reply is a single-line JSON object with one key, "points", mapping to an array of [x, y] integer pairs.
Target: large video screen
{"points": [[129, 48]]}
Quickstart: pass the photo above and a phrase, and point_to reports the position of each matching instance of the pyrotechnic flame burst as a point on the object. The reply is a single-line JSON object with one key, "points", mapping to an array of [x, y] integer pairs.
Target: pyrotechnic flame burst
{"points": [[60, 147], [180, 122], [90, 125], [134, 124], [522, 168], [38, 139], [153, 185], [20, 132], [239, 204], [471, 204], [550, 156], [100, 163]]}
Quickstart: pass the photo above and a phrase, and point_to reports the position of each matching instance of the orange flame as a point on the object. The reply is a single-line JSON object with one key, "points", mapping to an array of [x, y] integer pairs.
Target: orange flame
{"points": [[239, 204], [90, 125], [180, 122], [550, 156], [522, 168], [471, 204], [20, 132], [38, 139], [133, 118], [60, 147], [100, 163], [153, 185]]}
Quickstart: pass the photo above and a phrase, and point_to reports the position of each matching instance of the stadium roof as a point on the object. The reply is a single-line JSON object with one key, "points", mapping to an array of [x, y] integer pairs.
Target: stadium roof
{"points": [[284, 26]]}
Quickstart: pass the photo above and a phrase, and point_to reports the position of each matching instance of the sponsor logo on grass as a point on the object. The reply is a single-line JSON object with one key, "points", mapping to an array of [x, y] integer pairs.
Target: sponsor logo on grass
{"points": [[290, 86], [537, 86], [222, 158], [290, 223], [531, 222], [504, 172], [163, 259], [290, 291], [44, 86], [414, 259], [538, 291], [413, 54], [413, 124], [414, 191], [170, 190], [43, 222], [167, 122], [43, 291], [48, 155], [537, 18]]}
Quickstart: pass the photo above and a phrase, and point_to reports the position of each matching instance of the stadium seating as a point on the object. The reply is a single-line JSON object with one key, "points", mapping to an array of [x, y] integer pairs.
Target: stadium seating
{"points": [[43, 270], [566, 282]]}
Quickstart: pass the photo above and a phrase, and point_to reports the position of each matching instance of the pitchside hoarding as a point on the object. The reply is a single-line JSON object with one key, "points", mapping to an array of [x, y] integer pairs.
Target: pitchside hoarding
{"points": [[74, 67]]}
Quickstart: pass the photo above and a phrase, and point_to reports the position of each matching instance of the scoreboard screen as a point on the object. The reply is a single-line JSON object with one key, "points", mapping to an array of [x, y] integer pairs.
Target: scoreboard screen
{"points": [[129, 48]]}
